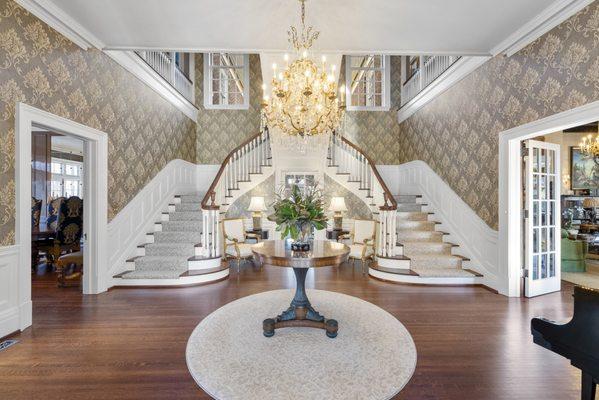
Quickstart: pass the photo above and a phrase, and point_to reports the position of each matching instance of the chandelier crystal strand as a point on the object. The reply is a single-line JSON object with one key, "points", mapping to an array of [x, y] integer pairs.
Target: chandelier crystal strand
{"points": [[589, 146], [304, 98]]}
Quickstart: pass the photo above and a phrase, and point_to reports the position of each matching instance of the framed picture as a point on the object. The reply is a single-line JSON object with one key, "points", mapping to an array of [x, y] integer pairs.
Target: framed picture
{"points": [[584, 170]]}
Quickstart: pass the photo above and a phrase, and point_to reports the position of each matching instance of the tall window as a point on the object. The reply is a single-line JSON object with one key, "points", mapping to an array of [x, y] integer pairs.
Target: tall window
{"points": [[67, 178], [226, 81], [367, 82]]}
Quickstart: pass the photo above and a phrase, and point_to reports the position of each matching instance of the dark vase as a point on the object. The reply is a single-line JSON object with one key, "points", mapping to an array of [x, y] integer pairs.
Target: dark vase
{"points": [[302, 243]]}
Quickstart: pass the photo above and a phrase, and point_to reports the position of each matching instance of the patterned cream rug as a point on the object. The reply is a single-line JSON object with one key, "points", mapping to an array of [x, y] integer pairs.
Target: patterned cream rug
{"points": [[372, 358]]}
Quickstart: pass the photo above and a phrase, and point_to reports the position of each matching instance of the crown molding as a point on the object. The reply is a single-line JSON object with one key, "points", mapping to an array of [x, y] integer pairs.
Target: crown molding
{"points": [[548, 19], [56, 18]]}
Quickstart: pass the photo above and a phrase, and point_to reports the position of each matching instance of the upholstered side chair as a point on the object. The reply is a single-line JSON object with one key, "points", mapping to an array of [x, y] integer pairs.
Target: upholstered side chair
{"points": [[234, 240], [362, 241]]}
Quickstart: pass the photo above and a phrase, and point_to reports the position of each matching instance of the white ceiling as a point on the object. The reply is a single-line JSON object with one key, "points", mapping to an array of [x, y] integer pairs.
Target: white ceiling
{"points": [[464, 27]]}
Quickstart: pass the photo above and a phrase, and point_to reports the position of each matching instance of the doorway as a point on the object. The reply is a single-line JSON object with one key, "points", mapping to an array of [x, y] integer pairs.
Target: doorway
{"points": [[512, 257], [94, 182]]}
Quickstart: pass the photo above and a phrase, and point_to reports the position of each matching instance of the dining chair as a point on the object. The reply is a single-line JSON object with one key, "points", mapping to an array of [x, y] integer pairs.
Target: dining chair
{"points": [[362, 241], [234, 240], [68, 231], [53, 210], [36, 212]]}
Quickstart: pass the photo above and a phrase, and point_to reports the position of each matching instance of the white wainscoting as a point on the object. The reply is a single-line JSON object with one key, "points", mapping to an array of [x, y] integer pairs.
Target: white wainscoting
{"points": [[9, 304], [128, 229], [476, 239]]}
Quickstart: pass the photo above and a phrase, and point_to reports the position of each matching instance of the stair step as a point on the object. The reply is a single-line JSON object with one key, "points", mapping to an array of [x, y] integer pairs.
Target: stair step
{"points": [[182, 226], [413, 215], [416, 225], [407, 198], [445, 272], [136, 274], [169, 249], [161, 263], [186, 216], [431, 261], [191, 198], [191, 206], [178, 237], [415, 248], [420, 236], [409, 207]]}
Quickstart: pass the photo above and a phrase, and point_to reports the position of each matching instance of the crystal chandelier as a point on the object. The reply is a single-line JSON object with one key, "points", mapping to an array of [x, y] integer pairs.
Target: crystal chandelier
{"points": [[304, 97], [590, 147]]}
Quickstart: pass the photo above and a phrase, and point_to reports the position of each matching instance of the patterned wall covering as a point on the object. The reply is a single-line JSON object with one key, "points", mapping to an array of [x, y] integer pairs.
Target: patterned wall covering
{"points": [[42, 68], [356, 207], [220, 131], [457, 133], [376, 131]]}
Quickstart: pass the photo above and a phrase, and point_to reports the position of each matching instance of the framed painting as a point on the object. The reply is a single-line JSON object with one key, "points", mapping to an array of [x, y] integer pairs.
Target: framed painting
{"points": [[584, 170]]}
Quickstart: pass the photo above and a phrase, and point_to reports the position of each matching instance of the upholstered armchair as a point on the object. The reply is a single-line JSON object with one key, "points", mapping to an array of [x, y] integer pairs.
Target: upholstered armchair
{"points": [[69, 229], [574, 254], [36, 211], [53, 211], [362, 241], [234, 240]]}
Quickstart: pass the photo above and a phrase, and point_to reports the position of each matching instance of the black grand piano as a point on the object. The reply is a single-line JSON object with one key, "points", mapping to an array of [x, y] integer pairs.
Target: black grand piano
{"points": [[577, 340]]}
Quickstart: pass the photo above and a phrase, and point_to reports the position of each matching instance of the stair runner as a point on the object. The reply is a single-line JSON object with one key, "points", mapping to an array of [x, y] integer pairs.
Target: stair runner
{"points": [[168, 255], [430, 256]]}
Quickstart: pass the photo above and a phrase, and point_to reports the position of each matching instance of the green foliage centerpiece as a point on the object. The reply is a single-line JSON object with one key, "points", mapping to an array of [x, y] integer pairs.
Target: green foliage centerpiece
{"points": [[297, 213]]}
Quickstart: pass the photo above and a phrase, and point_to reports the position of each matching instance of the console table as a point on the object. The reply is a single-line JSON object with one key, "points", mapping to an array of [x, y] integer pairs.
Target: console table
{"points": [[278, 253]]}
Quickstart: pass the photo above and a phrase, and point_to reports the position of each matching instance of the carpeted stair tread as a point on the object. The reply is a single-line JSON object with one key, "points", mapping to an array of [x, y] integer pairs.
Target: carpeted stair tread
{"points": [[406, 198], [178, 237], [435, 261], [416, 225], [409, 207], [170, 249], [173, 274], [420, 247], [190, 206], [412, 215], [182, 226], [418, 235], [185, 216], [192, 198], [442, 272], [161, 263]]}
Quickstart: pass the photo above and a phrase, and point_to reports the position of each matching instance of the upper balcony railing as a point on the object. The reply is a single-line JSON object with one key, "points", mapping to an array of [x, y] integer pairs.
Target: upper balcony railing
{"points": [[162, 62], [431, 68]]}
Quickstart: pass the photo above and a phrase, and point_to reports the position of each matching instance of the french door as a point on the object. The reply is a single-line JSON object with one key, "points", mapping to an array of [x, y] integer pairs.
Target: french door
{"points": [[542, 224]]}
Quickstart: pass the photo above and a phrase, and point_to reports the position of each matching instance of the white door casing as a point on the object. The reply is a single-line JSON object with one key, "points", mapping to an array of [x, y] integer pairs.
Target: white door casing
{"points": [[542, 224]]}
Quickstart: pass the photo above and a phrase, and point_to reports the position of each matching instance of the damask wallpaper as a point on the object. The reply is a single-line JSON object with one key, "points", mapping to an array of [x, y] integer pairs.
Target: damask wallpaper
{"points": [[457, 133], [376, 131], [42, 68], [220, 131], [356, 207]]}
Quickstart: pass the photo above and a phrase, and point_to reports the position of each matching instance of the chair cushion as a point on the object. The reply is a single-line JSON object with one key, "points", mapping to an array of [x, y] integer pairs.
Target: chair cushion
{"points": [[356, 250], [234, 229], [245, 250], [364, 229]]}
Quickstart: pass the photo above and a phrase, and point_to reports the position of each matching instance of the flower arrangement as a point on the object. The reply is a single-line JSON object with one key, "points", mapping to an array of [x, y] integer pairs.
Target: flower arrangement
{"points": [[297, 213]]}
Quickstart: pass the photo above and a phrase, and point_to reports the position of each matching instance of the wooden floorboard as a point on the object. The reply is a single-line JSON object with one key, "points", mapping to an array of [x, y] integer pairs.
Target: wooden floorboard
{"points": [[130, 343]]}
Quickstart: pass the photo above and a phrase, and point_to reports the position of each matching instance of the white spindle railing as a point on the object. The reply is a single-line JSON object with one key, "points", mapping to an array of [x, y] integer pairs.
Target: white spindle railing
{"points": [[163, 63], [350, 159], [430, 69], [244, 160]]}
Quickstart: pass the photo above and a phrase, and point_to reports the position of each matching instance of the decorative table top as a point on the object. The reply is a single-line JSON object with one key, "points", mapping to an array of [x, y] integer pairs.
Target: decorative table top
{"points": [[322, 253]]}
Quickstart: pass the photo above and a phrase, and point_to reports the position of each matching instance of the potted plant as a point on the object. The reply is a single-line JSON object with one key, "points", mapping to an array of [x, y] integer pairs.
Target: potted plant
{"points": [[297, 212]]}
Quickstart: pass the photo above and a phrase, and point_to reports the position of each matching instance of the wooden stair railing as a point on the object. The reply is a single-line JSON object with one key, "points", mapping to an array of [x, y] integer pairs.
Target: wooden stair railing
{"points": [[354, 162], [246, 159]]}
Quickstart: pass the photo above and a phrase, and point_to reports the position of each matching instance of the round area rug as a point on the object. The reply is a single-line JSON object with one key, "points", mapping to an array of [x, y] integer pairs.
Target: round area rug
{"points": [[372, 358]]}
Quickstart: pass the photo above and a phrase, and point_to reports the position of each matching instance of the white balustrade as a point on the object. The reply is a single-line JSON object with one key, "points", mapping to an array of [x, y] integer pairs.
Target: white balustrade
{"points": [[239, 164], [431, 67], [162, 63], [350, 160]]}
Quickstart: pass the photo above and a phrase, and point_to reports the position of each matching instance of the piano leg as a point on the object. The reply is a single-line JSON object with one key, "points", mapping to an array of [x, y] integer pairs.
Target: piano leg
{"points": [[588, 387]]}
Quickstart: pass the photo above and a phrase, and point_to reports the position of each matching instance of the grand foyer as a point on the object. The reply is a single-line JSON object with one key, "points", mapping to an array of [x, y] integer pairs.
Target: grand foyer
{"points": [[188, 154]]}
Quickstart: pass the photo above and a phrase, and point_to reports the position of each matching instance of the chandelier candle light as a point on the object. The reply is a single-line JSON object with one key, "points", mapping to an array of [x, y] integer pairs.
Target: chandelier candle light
{"points": [[304, 98], [590, 147]]}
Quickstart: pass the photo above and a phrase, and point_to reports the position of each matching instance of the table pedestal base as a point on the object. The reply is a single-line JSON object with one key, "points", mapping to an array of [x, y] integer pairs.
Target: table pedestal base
{"points": [[300, 312]]}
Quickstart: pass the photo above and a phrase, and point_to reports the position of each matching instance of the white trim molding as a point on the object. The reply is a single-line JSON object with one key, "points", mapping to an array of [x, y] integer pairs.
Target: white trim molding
{"points": [[475, 238], [549, 18], [56, 18], [510, 193], [386, 95], [129, 227], [96, 200], [10, 315], [208, 78], [141, 70], [458, 71]]}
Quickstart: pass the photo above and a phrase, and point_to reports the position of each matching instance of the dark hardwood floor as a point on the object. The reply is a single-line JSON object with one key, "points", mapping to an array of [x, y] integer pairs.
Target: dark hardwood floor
{"points": [[130, 343]]}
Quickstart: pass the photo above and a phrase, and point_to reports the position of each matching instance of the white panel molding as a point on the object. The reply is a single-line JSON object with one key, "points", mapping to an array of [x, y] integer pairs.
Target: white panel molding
{"points": [[476, 239], [458, 71], [141, 70], [548, 19], [128, 228], [9, 301], [56, 18]]}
